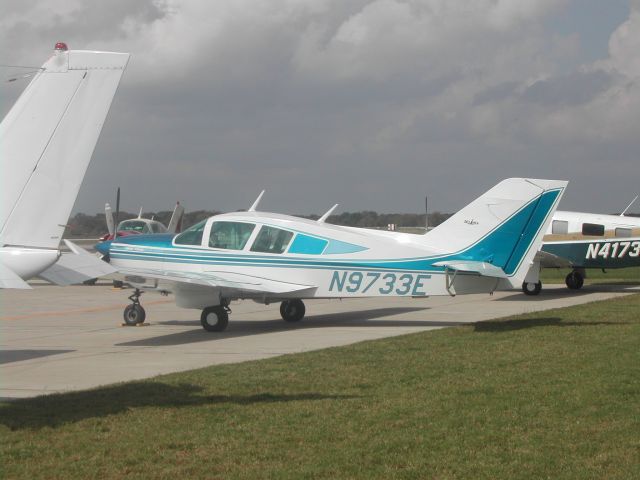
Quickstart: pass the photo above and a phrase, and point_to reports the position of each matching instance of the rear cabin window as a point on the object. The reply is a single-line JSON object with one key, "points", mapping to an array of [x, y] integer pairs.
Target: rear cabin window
{"points": [[594, 229], [307, 245], [560, 227], [271, 240], [230, 235], [192, 235], [623, 232]]}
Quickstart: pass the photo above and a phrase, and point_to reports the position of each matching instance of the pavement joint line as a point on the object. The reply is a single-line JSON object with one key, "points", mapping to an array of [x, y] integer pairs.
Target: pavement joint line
{"points": [[61, 313]]}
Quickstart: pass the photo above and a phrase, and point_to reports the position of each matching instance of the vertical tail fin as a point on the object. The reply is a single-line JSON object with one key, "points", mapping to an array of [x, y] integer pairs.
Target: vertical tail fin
{"points": [[503, 228], [47, 140]]}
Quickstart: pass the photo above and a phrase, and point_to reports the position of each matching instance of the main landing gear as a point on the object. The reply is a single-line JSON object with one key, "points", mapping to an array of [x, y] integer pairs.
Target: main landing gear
{"points": [[575, 280], [292, 310], [134, 314], [216, 318]]}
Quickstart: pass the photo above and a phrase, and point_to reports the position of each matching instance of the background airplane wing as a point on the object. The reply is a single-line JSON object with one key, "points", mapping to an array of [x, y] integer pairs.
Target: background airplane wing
{"points": [[9, 279], [76, 267], [549, 260]]}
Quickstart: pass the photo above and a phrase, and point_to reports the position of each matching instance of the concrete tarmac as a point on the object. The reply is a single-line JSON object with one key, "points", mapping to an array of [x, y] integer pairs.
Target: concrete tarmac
{"points": [[56, 339]]}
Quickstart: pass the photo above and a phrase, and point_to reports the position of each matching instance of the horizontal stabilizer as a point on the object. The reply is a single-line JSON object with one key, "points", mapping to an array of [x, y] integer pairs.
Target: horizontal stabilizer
{"points": [[76, 267], [9, 279], [481, 268]]}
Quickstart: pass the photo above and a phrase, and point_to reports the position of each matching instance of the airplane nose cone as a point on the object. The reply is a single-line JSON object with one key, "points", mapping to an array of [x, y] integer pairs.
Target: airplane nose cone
{"points": [[103, 247]]}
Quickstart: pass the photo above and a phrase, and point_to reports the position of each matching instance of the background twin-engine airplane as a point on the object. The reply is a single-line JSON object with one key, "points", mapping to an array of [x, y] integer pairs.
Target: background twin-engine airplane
{"points": [[583, 241], [46, 143], [488, 245]]}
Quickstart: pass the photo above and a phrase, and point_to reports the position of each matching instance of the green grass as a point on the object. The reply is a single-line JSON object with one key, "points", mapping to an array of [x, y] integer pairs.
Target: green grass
{"points": [[548, 395], [621, 276]]}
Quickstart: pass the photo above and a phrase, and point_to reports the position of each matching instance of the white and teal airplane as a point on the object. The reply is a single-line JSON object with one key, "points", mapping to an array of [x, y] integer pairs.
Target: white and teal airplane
{"points": [[583, 241], [488, 245], [46, 142]]}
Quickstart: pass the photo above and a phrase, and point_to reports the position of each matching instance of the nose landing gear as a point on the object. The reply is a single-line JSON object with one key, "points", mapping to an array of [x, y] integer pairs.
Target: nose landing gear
{"points": [[134, 314]]}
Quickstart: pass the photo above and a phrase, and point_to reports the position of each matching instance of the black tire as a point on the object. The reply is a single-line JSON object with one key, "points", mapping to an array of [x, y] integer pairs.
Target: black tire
{"points": [[118, 284], [530, 288], [91, 281], [292, 310], [574, 280], [214, 319], [134, 314]]}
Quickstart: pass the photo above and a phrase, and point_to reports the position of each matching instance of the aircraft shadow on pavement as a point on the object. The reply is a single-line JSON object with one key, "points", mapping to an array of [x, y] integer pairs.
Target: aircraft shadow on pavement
{"points": [[10, 356], [554, 294], [511, 325], [241, 328], [59, 409]]}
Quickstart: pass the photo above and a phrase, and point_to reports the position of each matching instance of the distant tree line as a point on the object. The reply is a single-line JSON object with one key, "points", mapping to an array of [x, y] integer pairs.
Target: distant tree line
{"points": [[94, 226]]}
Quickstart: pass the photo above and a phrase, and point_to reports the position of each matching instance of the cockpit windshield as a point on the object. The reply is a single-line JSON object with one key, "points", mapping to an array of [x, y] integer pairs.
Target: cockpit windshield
{"points": [[137, 226], [192, 235]]}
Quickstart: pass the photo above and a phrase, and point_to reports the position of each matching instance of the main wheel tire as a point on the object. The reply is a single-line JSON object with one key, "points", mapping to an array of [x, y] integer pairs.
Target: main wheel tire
{"points": [[530, 288], [574, 280], [292, 310], [214, 319], [134, 314]]}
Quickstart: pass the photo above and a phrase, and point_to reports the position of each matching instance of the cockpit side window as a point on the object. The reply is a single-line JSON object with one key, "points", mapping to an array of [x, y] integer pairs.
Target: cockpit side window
{"points": [[192, 235], [230, 235], [271, 240]]}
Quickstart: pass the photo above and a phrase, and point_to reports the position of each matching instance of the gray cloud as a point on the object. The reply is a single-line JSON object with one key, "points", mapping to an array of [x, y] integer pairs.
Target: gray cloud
{"points": [[371, 104]]}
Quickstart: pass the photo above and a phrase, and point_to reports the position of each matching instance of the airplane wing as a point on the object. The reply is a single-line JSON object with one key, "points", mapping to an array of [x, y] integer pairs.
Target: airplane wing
{"points": [[9, 279], [481, 268], [549, 260], [76, 267], [217, 279]]}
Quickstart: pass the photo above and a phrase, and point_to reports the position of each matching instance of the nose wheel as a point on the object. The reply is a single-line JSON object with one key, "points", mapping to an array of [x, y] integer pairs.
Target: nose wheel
{"points": [[134, 314]]}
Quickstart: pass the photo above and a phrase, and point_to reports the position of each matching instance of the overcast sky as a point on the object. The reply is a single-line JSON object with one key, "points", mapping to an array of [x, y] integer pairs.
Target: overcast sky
{"points": [[372, 104]]}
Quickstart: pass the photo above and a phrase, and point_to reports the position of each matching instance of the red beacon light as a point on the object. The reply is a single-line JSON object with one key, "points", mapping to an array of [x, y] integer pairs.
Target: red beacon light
{"points": [[61, 47]]}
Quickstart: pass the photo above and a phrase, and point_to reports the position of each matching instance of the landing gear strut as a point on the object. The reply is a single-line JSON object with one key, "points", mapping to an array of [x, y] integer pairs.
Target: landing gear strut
{"points": [[574, 280], [530, 288], [134, 314], [215, 319], [292, 310]]}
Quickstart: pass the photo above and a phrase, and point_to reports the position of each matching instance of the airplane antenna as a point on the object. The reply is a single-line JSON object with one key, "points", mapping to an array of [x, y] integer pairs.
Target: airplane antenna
{"points": [[115, 221], [628, 206], [326, 215], [255, 204], [426, 217]]}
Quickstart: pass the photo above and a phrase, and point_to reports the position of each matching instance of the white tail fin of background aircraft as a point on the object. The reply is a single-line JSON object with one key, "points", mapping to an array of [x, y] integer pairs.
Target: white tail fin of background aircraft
{"points": [[46, 142]]}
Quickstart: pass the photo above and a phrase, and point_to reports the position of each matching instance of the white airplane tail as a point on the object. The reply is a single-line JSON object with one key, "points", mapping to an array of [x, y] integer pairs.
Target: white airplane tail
{"points": [[499, 233], [47, 140]]}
